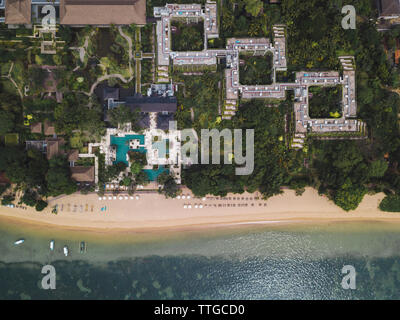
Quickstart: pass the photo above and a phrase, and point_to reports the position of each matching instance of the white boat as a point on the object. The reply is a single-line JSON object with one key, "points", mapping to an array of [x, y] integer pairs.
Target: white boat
{"points": [[52, 245], [19, 241], [66, 251]]}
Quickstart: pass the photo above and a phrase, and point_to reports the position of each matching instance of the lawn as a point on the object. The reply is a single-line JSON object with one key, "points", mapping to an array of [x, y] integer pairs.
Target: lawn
{"points": [[18, 74], [325, 102], [106, 44], [11, 139], [146, 74], [147, 43], [5, 67], [187, 36], [7, 86], [255, 69]]}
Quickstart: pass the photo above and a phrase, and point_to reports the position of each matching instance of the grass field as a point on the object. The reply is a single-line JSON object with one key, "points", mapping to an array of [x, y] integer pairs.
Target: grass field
{"points": [[11, 139]]}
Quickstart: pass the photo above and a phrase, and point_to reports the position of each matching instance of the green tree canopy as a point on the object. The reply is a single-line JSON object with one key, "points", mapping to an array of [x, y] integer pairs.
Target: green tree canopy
{"points": [[59, 177], [6, 122], [169, 187], [253, 7]]}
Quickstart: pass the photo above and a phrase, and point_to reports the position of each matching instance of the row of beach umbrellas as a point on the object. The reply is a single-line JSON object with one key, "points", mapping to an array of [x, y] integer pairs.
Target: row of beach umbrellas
{"points": [[119, 198], [183, 197], [189, 206]]}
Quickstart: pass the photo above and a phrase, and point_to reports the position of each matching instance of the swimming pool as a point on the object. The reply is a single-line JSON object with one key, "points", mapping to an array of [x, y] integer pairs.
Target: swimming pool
{"points": [[162, 147], [153, 174], [122, 144]]}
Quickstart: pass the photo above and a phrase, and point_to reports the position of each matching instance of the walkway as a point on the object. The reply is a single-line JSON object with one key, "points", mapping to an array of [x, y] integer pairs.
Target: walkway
{"points": [[12, 80], [117, 75]]}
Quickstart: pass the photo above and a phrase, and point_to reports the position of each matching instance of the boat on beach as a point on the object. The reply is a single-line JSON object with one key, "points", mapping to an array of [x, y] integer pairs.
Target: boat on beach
{"points": [[52, 245], [66, 251], [19, 241], [82, 247]]}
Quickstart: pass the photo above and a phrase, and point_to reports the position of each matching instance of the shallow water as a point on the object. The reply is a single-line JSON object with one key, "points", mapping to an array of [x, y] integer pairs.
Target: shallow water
{"points": [[256, 262]]}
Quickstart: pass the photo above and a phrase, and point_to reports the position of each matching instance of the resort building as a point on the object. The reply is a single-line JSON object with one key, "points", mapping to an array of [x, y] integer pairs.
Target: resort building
{"points": [[260, 47], [83, 175], [17, 11], [76, 12], [388, 9], [53, 146], [156, 109], [49, 129], [163, 150], [389, 14], [102, 12], [36, 127]]}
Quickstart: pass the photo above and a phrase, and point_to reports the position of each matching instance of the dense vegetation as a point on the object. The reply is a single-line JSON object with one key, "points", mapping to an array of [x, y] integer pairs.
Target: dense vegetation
{"points": [[255, 69], [271, 158], [344, 170], [325, 102], [390, 203], [169, 187], [187, 36]]}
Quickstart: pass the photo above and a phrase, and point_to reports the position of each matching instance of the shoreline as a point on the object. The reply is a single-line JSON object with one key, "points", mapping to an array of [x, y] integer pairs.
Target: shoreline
{"points": [[152, 213]]}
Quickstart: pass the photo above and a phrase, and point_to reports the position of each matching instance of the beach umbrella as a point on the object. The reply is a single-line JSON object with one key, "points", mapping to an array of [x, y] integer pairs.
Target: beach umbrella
{"points": [[104, 198], [120, 198], [178, 197], [137, 197], [109, 198], [204, 199], [190, 206], [183, 197], [201, 206], [126, 198], [196, 206], [131, 198], [188, 197], [115, 198], [185, 206], [100, 198]]}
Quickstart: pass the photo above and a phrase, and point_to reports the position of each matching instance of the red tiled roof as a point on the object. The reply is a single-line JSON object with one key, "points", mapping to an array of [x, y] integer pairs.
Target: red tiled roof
{"points": [[102, 12], [18, 11]]}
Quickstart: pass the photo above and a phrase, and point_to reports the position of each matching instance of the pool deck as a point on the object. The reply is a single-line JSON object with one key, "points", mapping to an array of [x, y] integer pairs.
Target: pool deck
{"points": [[167, 157]]}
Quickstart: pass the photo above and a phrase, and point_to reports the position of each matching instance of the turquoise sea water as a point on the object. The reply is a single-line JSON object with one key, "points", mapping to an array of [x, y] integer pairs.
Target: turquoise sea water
{"points": [[301, 262]]}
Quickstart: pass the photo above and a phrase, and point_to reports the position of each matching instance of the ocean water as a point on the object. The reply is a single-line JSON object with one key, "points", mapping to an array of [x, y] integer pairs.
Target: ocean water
{"points": [[256, 262]]}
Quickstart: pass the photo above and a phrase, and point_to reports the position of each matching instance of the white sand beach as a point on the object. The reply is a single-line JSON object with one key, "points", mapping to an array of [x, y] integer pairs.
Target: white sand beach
{"points": [[153, 212]]}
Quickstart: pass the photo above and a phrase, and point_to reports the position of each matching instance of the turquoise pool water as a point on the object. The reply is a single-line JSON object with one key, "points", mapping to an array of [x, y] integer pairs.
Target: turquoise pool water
{"points": [[162, 147], [153, 174], [122, 144]]}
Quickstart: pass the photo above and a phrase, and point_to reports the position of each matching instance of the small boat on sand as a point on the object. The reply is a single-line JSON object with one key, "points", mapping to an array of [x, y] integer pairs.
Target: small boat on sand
{"points": [[19, 241], [66, 251], [52, 245], [82, 247]]}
